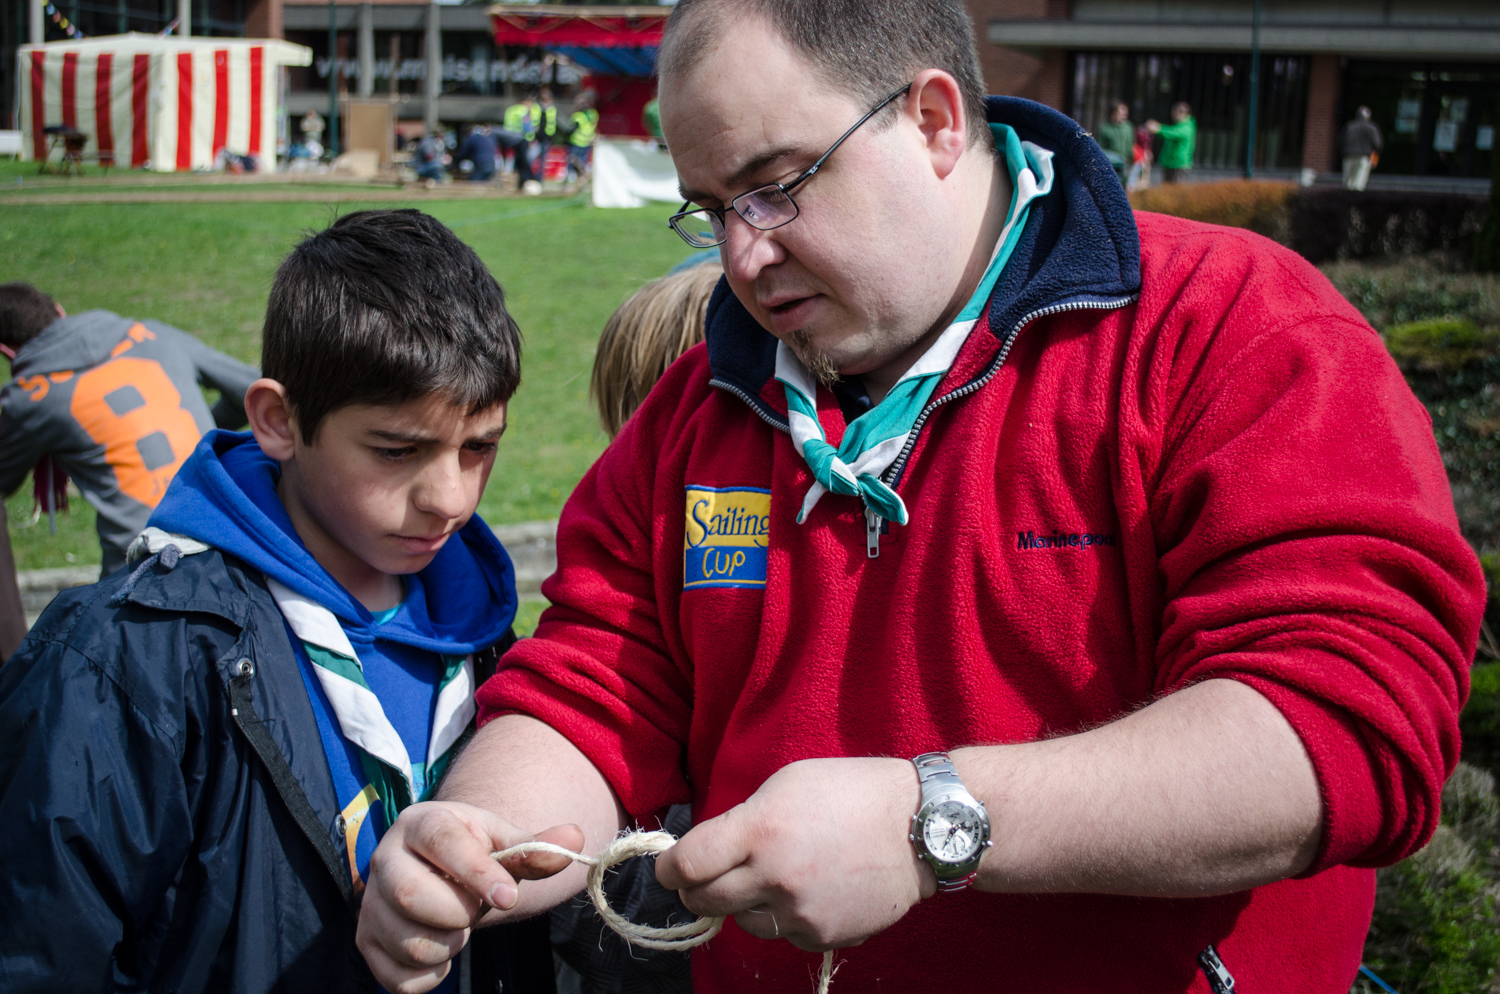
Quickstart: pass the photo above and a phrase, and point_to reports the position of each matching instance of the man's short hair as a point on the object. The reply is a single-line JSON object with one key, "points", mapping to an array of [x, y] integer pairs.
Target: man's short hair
{"points": [[867, 48], [25, 312], [383, 307]]}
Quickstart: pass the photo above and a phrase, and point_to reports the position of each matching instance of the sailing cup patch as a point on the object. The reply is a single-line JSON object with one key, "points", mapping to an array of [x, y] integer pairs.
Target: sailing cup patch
{"points": [[725, 539]]}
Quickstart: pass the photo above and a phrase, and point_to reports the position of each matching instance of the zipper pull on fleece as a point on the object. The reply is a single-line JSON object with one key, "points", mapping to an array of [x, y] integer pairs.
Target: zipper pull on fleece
{"points": [[872, 534], [1219, 979]]}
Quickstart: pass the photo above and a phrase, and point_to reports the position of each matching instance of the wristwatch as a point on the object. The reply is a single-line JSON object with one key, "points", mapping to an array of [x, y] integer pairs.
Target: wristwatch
{"points": [[951, 829]]}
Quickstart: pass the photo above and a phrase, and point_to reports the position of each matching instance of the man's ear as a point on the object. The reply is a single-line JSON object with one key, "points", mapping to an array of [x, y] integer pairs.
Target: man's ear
{"points": [[937, 105], [271, 418]]}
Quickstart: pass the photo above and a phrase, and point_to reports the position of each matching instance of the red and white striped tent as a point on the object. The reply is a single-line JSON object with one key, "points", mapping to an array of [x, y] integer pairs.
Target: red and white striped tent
{"points": [[159, 103]]}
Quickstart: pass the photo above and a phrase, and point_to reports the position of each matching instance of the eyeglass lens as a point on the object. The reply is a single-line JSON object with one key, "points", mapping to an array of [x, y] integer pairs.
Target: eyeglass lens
{"points": [[766, 208], [700, 229]]}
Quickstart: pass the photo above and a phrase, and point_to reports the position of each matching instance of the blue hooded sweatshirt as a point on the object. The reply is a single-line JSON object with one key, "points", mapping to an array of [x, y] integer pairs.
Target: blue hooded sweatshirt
{"points": [[462, 602]]}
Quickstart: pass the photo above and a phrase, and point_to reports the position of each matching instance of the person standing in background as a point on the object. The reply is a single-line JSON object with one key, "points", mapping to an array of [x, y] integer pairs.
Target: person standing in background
{"points": [[1139, 177], [583, 124], [519, 133], [1359, 143], [547, 123], [1178, 140], [1117, 137]]}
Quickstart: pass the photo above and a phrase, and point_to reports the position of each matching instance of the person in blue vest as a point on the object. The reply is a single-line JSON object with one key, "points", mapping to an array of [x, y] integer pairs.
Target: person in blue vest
{"points": [[199, 755], [478, 150]]}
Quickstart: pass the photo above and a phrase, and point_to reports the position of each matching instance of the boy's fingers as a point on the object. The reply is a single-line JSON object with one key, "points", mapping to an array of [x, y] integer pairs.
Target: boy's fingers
{"points": [[705, 853], [538, 865], [399, 978], [457, 841]]}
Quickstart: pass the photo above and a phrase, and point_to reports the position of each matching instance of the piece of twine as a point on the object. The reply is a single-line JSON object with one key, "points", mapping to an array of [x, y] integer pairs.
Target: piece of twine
{"points": [[627, 846]]}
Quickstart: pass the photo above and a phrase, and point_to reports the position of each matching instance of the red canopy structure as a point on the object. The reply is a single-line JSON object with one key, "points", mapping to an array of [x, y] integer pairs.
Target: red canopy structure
{"points": [[583, 27], [616, 46]]}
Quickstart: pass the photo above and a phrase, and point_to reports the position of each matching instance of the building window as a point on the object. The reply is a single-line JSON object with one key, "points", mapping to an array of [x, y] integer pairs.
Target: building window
{"points": [[1217, 87], [1437, 120]]}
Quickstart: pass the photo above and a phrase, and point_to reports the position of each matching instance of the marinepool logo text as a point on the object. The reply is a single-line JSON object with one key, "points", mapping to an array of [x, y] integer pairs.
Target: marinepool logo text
{"points": [[1061, 540], [725, 539]]}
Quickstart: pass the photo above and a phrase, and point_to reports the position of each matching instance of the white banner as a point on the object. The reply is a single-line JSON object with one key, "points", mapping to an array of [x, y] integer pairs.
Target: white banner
{"points": [[632, 173]]}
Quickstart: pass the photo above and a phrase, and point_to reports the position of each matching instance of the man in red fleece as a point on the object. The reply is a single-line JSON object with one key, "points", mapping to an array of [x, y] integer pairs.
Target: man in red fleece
{"points": [[1125, 528]]}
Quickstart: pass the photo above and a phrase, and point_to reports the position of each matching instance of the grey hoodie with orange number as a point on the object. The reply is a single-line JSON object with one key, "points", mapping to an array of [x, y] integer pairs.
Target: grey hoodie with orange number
{"points": [[117, 403]]}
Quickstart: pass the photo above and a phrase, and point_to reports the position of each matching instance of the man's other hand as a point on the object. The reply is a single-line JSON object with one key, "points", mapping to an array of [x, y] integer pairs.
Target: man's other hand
{"points": [[819, 855], [431, 880]]}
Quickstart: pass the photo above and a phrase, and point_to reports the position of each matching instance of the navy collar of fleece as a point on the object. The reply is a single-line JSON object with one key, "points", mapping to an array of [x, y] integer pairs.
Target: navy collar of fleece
{"points": [[1080, 248], [225, 495]]}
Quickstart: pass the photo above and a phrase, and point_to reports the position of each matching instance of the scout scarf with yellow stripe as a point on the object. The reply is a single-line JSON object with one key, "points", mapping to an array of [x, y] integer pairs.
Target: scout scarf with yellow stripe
{"points": [[361, 718]]}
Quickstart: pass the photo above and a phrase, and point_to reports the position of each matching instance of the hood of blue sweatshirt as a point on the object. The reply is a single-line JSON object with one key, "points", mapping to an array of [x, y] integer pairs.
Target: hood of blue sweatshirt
{"points": [[225, 496]]}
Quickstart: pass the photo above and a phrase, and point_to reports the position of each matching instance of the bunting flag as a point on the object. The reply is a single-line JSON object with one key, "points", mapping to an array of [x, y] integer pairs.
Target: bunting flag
{"points": [[157, 103], [62, 22]]}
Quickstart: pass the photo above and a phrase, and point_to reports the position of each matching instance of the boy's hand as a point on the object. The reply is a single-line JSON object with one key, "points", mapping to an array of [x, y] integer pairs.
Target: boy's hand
{"points": [[432, 879]]}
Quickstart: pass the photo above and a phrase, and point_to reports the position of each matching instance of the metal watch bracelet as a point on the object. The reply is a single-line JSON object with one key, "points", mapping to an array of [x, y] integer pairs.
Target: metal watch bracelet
{"points": [[939, 781]]}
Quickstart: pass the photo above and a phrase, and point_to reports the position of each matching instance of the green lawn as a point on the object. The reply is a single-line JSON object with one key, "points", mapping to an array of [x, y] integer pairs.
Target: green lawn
{"points": [[207, 267]]}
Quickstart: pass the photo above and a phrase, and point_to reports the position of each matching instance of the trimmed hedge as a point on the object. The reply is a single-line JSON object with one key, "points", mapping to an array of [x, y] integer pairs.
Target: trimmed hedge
{"points": [[1436, 929], [1324, 224], [1260, 206], [1328, 224]]}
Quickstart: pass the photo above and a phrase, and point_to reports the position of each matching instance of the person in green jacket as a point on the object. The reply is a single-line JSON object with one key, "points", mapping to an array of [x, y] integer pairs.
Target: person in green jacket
{"points": [[1178, 141], [651, 119], [1117, 137]]}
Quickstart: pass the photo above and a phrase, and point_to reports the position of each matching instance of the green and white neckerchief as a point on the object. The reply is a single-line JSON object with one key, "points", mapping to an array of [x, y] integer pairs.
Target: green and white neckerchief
{"points": [[873, 440], [362, 720]]}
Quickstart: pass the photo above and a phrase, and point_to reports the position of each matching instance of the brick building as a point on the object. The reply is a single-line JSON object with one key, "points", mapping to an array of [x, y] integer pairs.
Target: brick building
{"points": [[1429, 69]]}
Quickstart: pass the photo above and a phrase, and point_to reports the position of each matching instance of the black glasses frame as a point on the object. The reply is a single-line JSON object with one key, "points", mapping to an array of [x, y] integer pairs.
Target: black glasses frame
{"points": [[785, 189]]}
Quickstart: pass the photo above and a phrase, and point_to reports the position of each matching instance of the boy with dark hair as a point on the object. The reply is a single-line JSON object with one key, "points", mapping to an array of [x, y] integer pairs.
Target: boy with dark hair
{"points": [[197, 757], [113, 401]]}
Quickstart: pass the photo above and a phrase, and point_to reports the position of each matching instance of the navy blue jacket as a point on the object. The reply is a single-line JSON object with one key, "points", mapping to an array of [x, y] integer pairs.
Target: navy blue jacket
{"points": [[151, 836]]}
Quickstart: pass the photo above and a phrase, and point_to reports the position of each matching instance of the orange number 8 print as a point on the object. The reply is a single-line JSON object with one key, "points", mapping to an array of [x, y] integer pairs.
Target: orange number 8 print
{"points": [[130, 407]]}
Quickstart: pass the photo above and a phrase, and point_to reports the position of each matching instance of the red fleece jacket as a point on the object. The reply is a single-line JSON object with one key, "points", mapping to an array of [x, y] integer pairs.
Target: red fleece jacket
{"points": [[1228, 478]]}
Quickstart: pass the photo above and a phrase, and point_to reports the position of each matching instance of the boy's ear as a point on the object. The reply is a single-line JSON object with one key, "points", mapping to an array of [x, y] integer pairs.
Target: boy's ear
{"points": [[271, 418]]}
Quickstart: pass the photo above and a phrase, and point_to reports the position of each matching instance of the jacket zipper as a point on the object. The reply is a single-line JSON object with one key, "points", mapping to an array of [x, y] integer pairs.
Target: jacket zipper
{"points": [[873, 522], [780, 426]]}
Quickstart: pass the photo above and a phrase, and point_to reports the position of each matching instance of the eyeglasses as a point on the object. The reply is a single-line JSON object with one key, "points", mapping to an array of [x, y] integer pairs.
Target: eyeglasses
{"points": [[765, 207]]}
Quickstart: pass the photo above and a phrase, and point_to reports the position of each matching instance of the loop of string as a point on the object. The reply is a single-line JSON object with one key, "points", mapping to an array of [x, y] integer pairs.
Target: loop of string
{"points": [[628, 846]]}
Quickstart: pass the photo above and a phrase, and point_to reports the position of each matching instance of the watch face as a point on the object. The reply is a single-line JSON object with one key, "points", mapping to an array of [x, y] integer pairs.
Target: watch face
{"points": [[953, 831]]}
